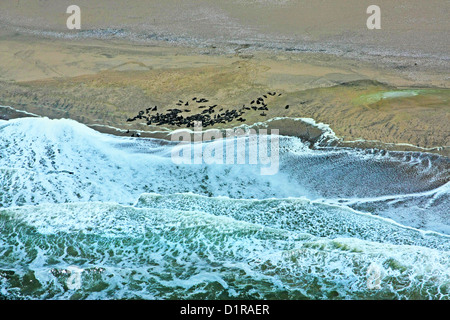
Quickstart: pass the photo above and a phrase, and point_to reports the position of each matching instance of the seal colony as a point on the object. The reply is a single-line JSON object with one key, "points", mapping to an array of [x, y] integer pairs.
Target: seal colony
{"points": [[208, 116]]}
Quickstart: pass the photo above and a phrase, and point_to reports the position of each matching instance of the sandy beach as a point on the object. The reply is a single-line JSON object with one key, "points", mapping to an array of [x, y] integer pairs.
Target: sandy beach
{"points": [[389, 85]]}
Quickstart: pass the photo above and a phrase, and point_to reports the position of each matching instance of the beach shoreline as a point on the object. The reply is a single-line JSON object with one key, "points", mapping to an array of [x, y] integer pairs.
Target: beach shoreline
{"points": [[316, 135], [369, 87]]}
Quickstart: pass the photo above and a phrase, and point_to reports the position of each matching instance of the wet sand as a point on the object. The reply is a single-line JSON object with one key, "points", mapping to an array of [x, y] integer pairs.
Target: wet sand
{"points": [[408, 27]]}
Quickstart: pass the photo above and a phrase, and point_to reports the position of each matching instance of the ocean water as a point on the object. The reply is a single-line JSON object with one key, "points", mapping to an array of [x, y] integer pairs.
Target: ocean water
{"points": [[85, 215]]}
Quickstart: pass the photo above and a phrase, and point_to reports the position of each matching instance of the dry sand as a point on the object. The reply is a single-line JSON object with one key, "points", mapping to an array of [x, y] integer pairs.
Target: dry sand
{"points": [[226, 52]]}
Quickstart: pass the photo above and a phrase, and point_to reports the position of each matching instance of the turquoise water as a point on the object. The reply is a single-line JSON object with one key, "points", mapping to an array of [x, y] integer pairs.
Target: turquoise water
{"points": [[85, 215], [375, 97]]}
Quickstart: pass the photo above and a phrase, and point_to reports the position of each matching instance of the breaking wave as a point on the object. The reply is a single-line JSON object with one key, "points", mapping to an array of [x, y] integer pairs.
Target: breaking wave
{"points": [[133, 224]]}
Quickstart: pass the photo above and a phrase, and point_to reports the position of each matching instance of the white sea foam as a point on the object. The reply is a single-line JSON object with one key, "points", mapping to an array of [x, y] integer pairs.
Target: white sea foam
{"points": [[20, 111], [57, 161], [154, 253]]}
